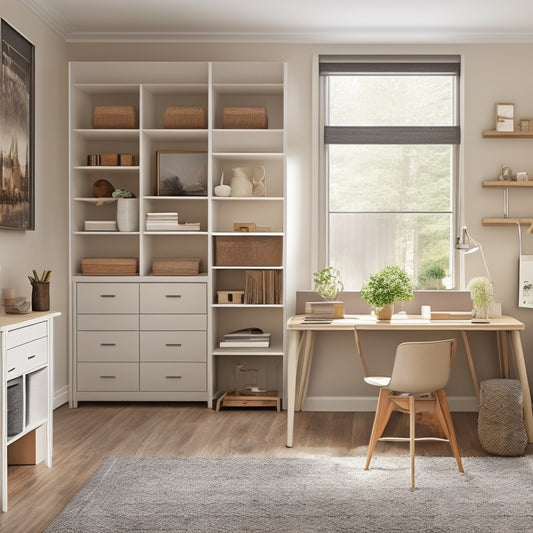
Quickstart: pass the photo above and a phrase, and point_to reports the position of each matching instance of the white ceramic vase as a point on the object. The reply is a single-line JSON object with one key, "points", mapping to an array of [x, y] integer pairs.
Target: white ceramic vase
{"points": [[128, 214]]}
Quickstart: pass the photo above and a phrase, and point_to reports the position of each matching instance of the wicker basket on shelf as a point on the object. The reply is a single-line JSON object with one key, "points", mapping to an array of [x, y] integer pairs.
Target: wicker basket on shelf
{"points": [[244, 118], [189, 118], [114, 117]]}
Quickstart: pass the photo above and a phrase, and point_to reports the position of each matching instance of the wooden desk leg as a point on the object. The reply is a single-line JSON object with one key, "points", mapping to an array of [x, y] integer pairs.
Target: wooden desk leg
{"points": [[503, 354], [292, 367], [303, 382], [475, 381], [522, 376], [360, 352]]}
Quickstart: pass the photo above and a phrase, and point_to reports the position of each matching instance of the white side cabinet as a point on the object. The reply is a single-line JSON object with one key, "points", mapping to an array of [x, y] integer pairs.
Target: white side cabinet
{"points": [[26, 344], [146, 337]]}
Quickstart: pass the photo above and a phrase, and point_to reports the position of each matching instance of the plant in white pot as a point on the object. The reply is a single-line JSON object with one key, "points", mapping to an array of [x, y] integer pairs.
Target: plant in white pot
{"points": [[391, 284], [482, 293], [127, 210], [327, 283]]}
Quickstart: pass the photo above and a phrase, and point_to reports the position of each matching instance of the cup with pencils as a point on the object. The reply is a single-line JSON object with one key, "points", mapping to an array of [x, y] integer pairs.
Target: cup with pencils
{"points": [[40, 293]]}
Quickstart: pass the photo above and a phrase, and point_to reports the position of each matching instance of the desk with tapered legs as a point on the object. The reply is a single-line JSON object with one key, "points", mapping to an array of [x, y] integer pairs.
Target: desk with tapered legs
{"points": [[301, 338]]}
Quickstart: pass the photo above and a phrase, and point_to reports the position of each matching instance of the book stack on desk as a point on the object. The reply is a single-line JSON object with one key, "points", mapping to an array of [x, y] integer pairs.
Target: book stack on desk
{"points": [[246, 338], [323, 312]]}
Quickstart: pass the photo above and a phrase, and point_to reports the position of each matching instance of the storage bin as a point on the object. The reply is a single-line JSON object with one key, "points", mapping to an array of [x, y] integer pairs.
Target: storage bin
{"points": [[15, 406], [109, 266], [188, 118], [244, 118], [176, 267], [248, 251], [114, 117]]}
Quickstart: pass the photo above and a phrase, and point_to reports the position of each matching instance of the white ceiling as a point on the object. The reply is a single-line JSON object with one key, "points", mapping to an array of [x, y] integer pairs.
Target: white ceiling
{"points": [[297, 21]]}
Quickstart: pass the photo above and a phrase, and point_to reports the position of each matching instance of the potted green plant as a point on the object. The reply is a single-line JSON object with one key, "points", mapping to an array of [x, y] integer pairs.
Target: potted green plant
{"points": [[482, 293], [391, 284], [432, 277], [327, 283], [127, 210]]}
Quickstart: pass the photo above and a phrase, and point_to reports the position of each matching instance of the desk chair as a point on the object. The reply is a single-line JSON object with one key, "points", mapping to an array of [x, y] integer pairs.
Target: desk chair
{"points": [[421, 371]]}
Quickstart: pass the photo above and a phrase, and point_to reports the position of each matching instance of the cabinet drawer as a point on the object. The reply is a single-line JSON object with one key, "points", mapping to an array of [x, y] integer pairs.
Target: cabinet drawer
{"points": [[108, 377], [26, 357], [173, 346], [173, 377], [173, 322], [25, 334], [108, 346], [173, 298], [108, 298], [107, 322]]}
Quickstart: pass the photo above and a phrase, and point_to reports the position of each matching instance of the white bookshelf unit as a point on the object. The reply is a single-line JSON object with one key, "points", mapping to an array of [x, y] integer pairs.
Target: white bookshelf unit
{"points": [[149, 337]]}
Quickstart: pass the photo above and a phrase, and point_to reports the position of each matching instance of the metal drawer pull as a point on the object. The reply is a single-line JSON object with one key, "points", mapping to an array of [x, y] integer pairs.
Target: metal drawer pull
{"points": [[108, 377], [173, 377], [107, 295], [173, 344], [107, 344], [172, 295], [11, 369], [31, 357]]}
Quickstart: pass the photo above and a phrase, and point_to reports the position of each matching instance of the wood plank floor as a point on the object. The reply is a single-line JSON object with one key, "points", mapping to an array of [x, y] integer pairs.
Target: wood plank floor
{"points": [[84, 436]]}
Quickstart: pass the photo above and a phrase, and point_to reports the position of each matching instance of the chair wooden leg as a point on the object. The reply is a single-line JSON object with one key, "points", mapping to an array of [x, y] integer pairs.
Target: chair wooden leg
{"points": [[381, 418], [412, 438], [443, 411]]}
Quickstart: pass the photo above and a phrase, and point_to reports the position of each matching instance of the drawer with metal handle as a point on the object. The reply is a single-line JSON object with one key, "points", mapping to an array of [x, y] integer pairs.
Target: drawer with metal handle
{"points": [[108, 377], [26, 357], [108, 298]]}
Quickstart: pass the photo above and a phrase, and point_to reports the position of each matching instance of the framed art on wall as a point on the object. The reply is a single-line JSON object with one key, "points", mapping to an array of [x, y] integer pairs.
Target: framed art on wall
{"points": [[17, 130], [181, 173]]}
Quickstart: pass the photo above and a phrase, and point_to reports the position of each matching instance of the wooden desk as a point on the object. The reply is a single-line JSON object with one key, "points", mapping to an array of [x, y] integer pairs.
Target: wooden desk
{"points": [[27, 354], [301, 337]]}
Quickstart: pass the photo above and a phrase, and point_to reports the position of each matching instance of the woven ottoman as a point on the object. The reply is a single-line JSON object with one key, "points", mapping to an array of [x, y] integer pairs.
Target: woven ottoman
{"points": [[501, 427]]}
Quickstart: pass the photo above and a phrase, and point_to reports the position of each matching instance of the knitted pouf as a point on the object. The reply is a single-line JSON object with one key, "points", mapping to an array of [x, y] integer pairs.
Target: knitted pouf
{"points": [[501, 428]]}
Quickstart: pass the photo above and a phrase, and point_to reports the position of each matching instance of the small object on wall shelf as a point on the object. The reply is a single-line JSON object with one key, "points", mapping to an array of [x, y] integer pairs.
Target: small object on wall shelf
{"points": [[230, 297], [504, 117]]}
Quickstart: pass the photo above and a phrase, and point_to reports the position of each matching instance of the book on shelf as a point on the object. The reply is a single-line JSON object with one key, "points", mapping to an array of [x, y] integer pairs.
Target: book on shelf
{"points": [[162, 216], [245, 344], [246, 338], [263, 287]]}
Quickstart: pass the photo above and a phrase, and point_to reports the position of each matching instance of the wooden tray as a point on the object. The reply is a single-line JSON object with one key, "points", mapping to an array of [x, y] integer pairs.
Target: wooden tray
{"points": [[233, 398]]}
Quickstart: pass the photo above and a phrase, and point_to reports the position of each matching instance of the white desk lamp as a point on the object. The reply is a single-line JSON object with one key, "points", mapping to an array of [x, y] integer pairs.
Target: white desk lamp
{"points": [[469, 245]]}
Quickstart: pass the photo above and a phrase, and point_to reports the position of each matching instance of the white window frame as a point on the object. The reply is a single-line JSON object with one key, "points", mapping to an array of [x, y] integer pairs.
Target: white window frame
{"points": [[320, 198]]}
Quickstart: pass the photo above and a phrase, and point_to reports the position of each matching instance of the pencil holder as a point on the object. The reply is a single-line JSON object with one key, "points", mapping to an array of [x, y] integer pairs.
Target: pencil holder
{"points": [[40, 296]]}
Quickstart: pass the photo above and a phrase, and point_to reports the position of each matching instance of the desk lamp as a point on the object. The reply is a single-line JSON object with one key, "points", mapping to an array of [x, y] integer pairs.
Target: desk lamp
{"points": [[469, 245]]}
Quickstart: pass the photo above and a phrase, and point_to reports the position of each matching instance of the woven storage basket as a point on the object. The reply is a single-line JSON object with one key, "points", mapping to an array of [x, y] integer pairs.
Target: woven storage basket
{"points": [[501, 428], [244, 118], [248, 251], [176, 267], [114, 117], [109, 266], [188, 118], [109, 160]]}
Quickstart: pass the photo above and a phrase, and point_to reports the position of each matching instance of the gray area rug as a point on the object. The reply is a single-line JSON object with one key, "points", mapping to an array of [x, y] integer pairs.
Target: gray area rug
{"points": [[304, 494]]}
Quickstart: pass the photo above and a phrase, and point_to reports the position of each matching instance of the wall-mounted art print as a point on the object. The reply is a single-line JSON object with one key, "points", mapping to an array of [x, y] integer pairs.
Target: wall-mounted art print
{"points": [[181, 173], [17, 130]]}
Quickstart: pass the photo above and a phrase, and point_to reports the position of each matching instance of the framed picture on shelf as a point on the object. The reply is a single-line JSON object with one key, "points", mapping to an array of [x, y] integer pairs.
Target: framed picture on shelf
{"points": [[17, 130], [181, 173], [504, 117]]}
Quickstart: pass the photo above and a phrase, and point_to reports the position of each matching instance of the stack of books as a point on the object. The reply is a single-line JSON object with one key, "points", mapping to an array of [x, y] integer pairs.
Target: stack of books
{"points": [[246, 338], [162, 221], [323, 312]]}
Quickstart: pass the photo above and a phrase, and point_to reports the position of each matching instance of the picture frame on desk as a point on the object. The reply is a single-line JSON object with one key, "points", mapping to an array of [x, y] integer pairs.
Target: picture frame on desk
{"points": [[17, 130], [181, 173]]}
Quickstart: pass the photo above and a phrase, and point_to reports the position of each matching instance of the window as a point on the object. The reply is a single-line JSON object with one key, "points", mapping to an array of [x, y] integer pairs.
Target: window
{"points": [[391, 143]]}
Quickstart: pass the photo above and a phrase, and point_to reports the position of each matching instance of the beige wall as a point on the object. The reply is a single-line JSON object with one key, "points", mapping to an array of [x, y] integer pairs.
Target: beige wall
{"points": [[492, 73], [47, 246]]}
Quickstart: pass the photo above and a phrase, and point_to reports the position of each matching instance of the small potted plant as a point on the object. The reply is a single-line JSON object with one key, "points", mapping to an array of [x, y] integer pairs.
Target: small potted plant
{"points": [[391, 284], [127, 210], [482, 293], [327, 283], [432, 278]]}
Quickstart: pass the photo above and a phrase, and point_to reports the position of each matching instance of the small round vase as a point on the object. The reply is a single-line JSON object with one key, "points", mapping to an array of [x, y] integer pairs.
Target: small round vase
{"points": [[385, 312], [128, 214]]}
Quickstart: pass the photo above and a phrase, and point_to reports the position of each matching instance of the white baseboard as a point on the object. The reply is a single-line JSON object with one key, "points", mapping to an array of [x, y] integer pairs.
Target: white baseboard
{"points": [[60, 397], [368, 403]]}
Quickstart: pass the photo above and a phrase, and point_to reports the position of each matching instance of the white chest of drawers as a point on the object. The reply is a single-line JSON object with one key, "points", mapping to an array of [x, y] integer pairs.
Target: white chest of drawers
{"points": [[26, 347], [140, 341]]}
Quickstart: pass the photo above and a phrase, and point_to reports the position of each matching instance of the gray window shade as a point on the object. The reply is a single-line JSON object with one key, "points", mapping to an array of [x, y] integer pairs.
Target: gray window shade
{"points": [[392, 135], [331, 69]]}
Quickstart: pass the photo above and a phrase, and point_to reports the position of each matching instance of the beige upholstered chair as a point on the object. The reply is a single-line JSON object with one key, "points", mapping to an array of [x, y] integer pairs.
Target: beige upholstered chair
{"points": [[421, 371]]}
